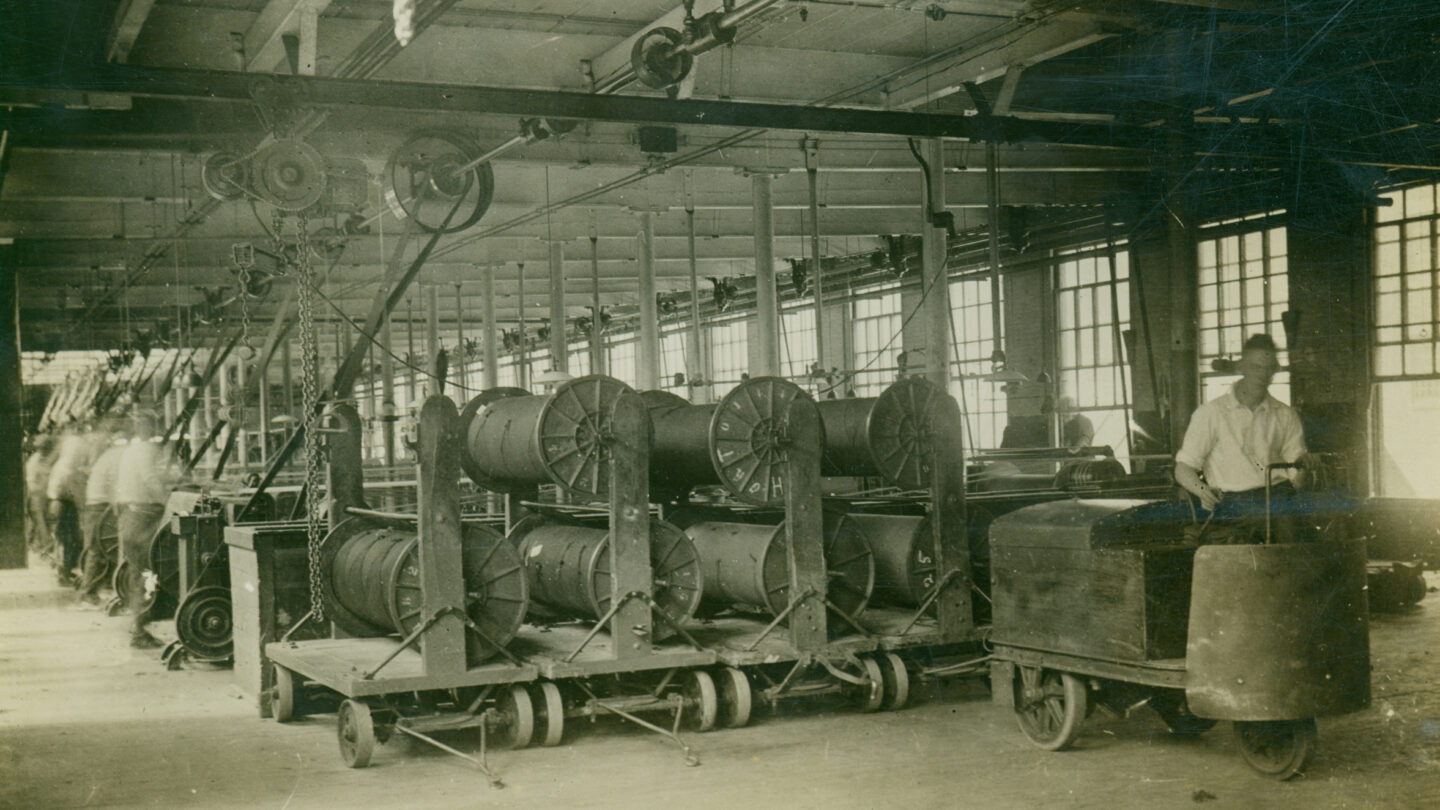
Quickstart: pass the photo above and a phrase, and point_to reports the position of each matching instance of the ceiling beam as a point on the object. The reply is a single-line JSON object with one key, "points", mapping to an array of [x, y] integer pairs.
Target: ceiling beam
{"points": [[130, 17], [264, 42]]}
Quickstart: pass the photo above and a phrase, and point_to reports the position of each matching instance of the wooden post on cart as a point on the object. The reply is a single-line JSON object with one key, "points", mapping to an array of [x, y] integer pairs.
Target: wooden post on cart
{"points": [[629, 447], [954, 608], [345, 486], [442, 647], [804, 524]]}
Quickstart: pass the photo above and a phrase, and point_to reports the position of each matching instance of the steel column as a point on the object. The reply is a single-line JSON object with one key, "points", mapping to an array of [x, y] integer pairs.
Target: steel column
{"points": [[767, 307], [491, 334], [937, 295], [459, 362], [992, 200], [12, 462], [559, 349], [597, 328], [695, 357], [432, 338], [387, 388], [817, 273], [647, 359]]}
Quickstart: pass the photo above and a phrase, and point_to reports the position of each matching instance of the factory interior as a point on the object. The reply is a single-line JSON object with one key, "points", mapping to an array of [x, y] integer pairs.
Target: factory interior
{"points": [[712, 403]]}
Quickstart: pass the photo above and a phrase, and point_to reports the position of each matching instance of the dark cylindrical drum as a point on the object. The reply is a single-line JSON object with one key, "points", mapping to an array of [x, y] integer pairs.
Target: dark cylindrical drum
{"points": [[1278, 632], [568, 567], [891, 435], [370, 576], [904, 548], [680, 443], [514, 441], [746, 564]]}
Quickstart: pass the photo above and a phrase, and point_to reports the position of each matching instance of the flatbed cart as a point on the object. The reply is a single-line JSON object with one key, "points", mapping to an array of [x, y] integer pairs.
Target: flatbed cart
{"points": [[1109, 600]]}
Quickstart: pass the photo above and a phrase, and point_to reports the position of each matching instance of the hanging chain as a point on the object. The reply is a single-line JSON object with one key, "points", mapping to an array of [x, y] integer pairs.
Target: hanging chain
{"points": [[310, 373]]}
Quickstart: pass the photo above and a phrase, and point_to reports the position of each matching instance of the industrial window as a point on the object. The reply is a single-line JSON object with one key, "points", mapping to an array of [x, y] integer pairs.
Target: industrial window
{"points": [[729, 354], [1407, 345], [1244, 289], [620, 359], [578, 361], [672, 357], [797, 342], [508, 374], [875, 325], [1093, 380], [972, 337]]}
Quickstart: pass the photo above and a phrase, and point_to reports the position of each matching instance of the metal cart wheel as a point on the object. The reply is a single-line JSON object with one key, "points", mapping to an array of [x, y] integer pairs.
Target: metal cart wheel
{"points": [[550, 714], [874, 691], [701, 702], [1050, 706], [896, 680], [356, 733], [1279, 749], [1172, 708], [735, 697], [205, 623], [517, 717], [285, 697]]}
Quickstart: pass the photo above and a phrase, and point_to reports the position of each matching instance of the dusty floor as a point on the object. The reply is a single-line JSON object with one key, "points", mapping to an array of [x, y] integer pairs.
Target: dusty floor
{"points": [[86, 722]]}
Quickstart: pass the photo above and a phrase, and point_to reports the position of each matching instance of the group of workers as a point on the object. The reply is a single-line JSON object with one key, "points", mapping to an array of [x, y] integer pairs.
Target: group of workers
{"points": [[75, 481]]}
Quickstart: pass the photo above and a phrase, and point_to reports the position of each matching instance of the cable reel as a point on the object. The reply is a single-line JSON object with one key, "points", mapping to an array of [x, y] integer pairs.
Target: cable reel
{"points": [[435, 172]]}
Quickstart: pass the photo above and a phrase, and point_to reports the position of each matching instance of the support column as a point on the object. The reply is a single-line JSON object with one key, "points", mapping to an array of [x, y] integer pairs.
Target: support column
{"points": [[937, 300], [241, 455], [432, 338], [262, 379], [647, 359], [287, 378], [559, 348], [490, 334], [458, 361], [767, 305], [597, 327], [387, 390], [12, 462], [695, 357], [817, 272]]}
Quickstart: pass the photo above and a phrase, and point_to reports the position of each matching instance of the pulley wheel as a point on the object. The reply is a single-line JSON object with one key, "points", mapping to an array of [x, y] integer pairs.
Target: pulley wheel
{"points": [[469, 423], [749, 439], [657, 59], [901, 432], [430, 184], [205, 624], [289, 174], [224, 176]]}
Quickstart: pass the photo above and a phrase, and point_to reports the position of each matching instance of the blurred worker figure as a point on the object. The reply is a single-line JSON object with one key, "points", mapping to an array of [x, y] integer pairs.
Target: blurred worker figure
{"points": [[99, 502], [1076, 429], [1232, 440], [142, 486], [37, 499], [66, 492]]}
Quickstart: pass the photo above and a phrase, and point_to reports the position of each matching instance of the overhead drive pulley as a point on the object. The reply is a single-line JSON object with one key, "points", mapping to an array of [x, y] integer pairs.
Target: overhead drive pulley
{"points": [[438, 180]]}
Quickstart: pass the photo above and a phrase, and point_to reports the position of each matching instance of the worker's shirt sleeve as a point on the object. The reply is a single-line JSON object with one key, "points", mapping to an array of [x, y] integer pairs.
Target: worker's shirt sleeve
{"points": [[1199, 439]]}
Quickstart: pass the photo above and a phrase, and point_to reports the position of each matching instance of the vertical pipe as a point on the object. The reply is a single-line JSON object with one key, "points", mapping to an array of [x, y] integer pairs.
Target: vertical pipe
{"points": [[432, 338], [217, 391], [559, 349], [387, 389], [817, 281], [647, 364], [695, 358], [241, 455], [262, 381], [937, 297], [992, 202], [767, 308], [12, 424], [597, 329], [458, 363], [522, 362], [491, 334]]}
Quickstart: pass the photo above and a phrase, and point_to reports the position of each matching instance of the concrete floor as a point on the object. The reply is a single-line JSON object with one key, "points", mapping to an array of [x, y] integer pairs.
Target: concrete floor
{"points": [[87, 722]]}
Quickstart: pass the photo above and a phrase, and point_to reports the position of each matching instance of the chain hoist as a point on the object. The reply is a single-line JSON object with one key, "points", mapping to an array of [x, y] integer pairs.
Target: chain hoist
{"points": [[310, 421]]}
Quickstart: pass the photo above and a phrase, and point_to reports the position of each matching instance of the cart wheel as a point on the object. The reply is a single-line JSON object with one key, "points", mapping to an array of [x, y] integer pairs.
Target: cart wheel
{"points": [[173, 656], [550, 715], [1176, 713], [735, 698], [356, 733], [285, 698], [1279, 749], [1050, 706], [874, 691], [701, 702], [896, 681], [517, 717]]}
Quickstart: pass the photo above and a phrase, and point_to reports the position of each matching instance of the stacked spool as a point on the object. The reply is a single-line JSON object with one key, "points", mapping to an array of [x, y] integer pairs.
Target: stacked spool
{"points": [[370, 583]]}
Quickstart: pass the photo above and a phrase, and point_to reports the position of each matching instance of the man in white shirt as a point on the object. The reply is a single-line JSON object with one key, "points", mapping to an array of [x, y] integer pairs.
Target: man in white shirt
{"points": [[141, 489], [37, 501], [1233, 439], [66, 491], [99, 497]]}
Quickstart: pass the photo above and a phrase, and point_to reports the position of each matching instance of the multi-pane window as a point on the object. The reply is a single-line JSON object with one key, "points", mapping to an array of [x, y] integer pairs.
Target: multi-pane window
{"points": [[1407, 345], [578, 360], [1092, 307], [672, 357], [620, 358], [729, 354], [972, 328], [876, 336], [1244, 289], [797, 342]]}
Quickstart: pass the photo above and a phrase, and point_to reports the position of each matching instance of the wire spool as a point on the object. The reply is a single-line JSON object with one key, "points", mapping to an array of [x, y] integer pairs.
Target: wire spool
{"points": [[748, 565], [288, 174], [890, 435], [738, 443], [904, 548], [1089, 473], [427, 182], [370, 581], [568, 568], [515, 440]]}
